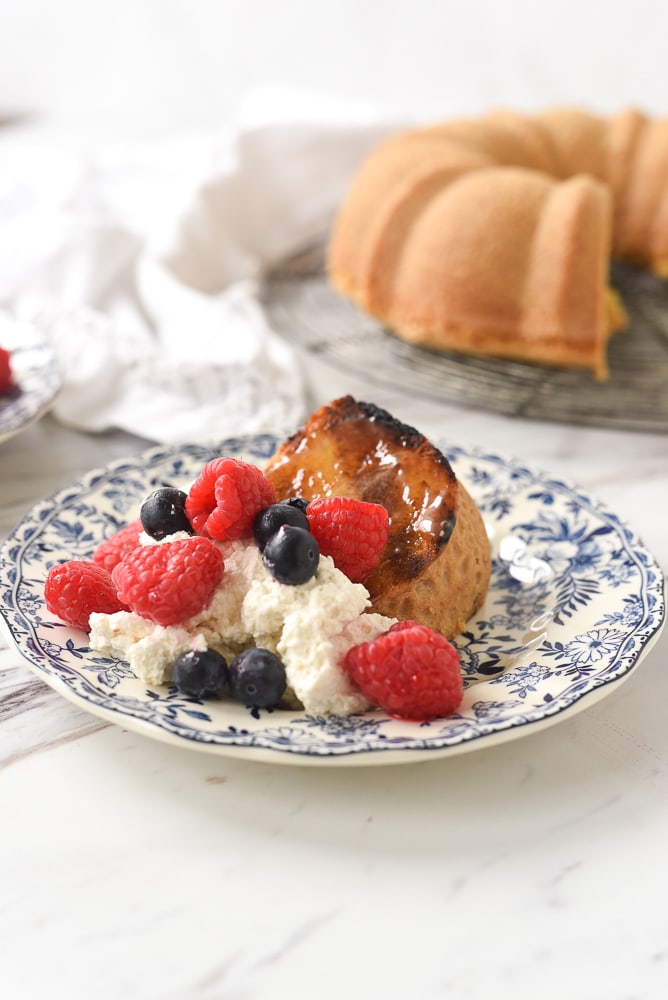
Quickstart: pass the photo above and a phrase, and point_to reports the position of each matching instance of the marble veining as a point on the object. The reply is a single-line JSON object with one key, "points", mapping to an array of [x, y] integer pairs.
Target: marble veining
{"points": [[133, 868]]}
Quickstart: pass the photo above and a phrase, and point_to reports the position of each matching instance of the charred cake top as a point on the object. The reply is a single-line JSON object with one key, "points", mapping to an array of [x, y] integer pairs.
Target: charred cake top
{"points": [[356, 449]]}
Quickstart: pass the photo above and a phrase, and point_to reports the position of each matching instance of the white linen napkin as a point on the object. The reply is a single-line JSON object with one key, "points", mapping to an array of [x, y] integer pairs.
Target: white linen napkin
{"points": [[141, 262]]}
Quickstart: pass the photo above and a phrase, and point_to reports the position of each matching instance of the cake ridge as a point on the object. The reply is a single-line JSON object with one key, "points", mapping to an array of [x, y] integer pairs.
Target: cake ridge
{"points": [[435, 284]]}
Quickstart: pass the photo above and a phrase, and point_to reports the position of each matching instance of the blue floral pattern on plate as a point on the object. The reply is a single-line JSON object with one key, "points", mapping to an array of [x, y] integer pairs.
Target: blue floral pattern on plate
{"points": [[36, 374], [575, 601]]}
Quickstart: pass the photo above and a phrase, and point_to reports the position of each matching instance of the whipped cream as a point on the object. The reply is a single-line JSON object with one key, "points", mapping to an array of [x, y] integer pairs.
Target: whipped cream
{"points": [[310, 626]]}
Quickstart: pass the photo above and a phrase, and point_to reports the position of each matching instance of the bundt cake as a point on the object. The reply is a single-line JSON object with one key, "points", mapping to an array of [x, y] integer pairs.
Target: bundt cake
{"points": [[436, 565], [494, 236]]}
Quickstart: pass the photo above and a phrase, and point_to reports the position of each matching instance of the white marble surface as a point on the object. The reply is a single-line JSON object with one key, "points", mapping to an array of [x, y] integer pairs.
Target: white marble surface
{"points": [[534, 868]]}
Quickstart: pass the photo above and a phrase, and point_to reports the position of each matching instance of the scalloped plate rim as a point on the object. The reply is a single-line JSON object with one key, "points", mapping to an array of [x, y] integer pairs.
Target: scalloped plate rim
{"points": [[349, 757], [343, 754]]}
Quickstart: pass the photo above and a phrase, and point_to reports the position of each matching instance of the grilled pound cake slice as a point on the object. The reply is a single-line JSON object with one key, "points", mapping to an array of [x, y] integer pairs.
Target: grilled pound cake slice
{"points": [[436, 565]]}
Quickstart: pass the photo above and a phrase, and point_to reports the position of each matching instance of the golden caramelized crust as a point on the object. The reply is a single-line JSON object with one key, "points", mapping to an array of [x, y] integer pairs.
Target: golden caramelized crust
{"points": [[493, 236], [436, 564]]}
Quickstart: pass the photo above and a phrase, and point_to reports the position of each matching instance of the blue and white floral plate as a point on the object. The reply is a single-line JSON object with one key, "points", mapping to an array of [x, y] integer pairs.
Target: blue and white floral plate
{"points": [[36, 374], [575, 602]]}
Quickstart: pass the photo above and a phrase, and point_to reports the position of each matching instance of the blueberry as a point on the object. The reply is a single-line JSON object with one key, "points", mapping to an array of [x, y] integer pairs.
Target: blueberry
{"points": [[291, 555], [200, 673], [257, 678], [269, 520], [164, 512], [299, 502]]}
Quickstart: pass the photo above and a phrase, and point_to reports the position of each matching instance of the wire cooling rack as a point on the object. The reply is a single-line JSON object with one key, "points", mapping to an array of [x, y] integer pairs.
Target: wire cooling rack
{"points": [[302, 307]]}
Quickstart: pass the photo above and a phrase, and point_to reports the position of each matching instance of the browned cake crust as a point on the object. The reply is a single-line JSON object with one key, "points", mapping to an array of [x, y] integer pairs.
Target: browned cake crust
{"points": [[493, 236], [436, 565]]}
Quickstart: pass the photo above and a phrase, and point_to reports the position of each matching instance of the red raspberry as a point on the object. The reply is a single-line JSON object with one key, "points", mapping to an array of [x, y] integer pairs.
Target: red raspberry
{"points": [[74, 589], [6, 378], [352, 532], [410, 671], [223, 501], [170, 582], [110, 552]]}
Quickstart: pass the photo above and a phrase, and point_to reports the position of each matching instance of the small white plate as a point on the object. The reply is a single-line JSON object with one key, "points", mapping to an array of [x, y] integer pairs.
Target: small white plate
{"points": [[575, 602], [36, 373]]}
